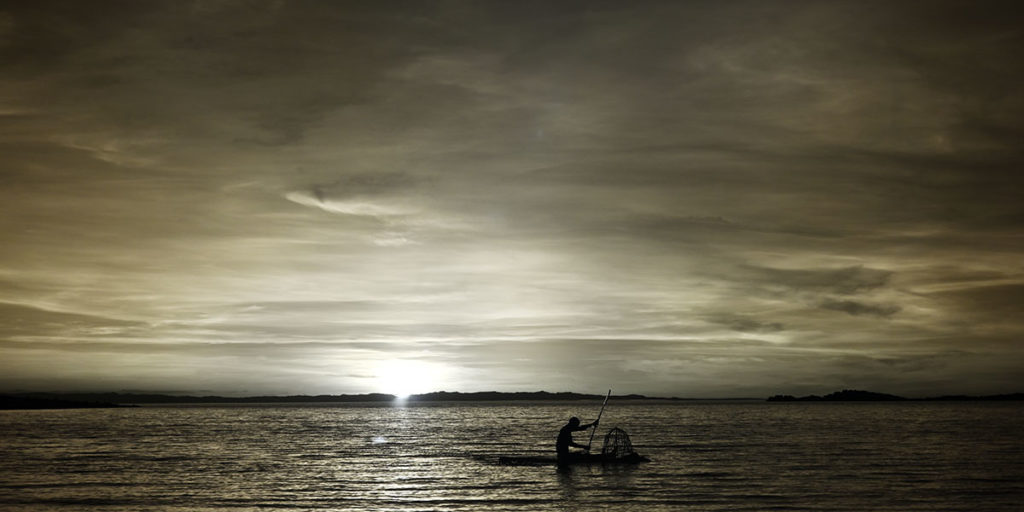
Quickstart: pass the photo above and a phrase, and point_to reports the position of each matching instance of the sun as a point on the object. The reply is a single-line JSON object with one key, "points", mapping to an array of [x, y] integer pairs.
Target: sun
{"points": [[404, 377]]}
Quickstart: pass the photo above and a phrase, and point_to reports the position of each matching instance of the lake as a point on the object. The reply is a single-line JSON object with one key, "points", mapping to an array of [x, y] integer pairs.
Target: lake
{"points": [[705, 456]]}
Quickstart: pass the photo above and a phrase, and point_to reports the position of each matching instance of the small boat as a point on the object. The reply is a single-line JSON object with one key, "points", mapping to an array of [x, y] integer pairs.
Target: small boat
{"points": [[617, 450], [575, 459]]}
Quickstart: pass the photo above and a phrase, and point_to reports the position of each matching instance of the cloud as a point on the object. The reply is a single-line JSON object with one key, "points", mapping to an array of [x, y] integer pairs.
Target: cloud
{"points": [[746, 324], [358, 207], [857, 308], [23, 320], [844, 281], [984, 305]]}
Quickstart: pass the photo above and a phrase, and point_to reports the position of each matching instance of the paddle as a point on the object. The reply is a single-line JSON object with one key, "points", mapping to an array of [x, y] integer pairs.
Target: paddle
{"points": [[592, 432]]}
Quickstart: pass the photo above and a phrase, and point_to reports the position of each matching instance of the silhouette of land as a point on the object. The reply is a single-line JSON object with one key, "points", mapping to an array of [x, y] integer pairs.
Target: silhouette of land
{"points": [[22, 402], [41, 400], [439, 396], [856, 395]]}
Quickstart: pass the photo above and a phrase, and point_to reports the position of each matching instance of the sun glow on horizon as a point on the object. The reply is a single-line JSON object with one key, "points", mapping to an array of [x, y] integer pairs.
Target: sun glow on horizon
{"points": [[404, 377]]}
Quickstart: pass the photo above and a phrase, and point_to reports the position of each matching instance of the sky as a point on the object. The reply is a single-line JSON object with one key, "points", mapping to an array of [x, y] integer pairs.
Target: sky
{"points": [[693, 199]]}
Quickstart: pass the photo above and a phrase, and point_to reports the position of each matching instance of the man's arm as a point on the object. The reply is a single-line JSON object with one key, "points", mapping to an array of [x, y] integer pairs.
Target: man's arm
{"points": [[584, 427]]}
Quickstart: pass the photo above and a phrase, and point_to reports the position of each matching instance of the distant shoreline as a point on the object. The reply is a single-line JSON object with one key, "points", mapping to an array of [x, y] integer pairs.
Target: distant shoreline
{"points": [[68, 400], [40, 400], [856, 395], [9, 402]]}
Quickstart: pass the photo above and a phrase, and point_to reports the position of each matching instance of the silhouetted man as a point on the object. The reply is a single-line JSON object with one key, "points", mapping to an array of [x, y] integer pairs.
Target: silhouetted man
{"points": [[565, 438]]}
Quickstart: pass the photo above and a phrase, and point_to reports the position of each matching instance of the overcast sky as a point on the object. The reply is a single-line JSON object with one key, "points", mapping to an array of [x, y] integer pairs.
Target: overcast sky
{"points": [[671, 198]]}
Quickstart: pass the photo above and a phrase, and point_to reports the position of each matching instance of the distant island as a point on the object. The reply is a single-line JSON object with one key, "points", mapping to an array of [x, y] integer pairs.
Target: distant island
{"points": [[65, 400], [22, 402], [856, 395]]}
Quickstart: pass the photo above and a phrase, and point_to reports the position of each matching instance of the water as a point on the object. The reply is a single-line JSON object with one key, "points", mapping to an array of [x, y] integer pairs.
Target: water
{"points": [[705, 456]]}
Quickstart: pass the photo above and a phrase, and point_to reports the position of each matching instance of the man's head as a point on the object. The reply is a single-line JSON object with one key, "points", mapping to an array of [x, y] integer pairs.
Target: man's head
{"points": [[574, 421]]}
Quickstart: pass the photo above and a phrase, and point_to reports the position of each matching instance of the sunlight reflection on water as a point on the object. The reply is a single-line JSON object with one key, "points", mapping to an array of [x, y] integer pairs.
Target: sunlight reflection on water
{"points": [[706, 456]]}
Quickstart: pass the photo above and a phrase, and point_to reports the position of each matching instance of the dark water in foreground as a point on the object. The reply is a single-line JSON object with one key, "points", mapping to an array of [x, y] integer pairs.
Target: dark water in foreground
{"points": [[706, 456]]}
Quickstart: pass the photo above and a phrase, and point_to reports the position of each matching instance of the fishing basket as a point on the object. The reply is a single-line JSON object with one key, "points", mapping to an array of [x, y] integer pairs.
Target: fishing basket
{"points": [[617, 445]]}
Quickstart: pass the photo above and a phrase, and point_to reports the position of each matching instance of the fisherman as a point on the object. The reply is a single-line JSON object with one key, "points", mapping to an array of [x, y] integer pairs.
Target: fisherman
{"points": [[565, 438]]}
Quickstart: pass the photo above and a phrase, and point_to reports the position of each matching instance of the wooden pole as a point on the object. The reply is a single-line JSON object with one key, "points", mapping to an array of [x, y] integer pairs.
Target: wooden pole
{"points": [[592, 432]]}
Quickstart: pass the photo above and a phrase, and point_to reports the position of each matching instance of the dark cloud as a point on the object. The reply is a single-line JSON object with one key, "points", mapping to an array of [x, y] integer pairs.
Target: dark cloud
{"points": [[746, 324], [845, 281], [857, 308], [995, 302]]}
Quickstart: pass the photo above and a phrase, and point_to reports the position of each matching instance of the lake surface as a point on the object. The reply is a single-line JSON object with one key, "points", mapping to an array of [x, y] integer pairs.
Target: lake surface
{"points": [[705, 456]]}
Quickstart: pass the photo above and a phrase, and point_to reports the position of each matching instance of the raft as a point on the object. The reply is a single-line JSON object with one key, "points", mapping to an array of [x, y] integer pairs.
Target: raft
{"points": [[574, 459]]}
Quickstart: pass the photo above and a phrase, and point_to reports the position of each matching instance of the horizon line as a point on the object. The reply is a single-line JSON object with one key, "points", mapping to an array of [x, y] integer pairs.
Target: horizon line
{"points": [[377, 396]]}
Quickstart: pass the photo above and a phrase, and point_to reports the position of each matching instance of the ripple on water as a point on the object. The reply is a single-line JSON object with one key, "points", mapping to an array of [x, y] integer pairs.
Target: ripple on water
{"points": [[956, 456]]}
